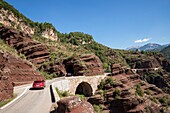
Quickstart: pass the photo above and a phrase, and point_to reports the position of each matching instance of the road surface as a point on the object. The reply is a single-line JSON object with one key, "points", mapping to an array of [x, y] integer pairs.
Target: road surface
{"points": [[32, 101]]}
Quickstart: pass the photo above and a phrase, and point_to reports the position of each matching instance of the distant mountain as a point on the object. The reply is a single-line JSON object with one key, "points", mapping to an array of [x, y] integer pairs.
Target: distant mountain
{"points": [[149, 47], [133, 47]]}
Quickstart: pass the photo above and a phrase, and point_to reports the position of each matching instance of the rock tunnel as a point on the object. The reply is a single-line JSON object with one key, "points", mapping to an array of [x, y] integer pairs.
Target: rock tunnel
{"points": [[85, 89], [69, 70]]}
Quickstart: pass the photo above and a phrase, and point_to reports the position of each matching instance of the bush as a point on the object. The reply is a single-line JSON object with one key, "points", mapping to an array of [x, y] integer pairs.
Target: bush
{"points": [[62, 93], [165, 100], [117, 93], [110, 81], [102, 84], [98, 108], [82, 97], [148, 92], [139, 90]]}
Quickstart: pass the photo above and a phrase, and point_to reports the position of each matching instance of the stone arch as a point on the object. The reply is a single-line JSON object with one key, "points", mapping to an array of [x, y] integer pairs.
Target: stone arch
{"points": [[85, 89]]}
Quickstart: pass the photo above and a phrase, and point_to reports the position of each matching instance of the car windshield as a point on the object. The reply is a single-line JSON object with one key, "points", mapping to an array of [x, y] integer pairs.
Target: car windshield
{"points": [[38, 81]]}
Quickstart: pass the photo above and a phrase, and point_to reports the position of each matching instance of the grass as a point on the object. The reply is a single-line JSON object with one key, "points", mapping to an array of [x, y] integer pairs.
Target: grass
{"points": [[62, 93], [6, 48], [2, 103]]}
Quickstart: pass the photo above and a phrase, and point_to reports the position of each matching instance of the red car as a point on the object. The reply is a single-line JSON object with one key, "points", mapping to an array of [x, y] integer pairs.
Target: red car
{"points": [[39, 84]]}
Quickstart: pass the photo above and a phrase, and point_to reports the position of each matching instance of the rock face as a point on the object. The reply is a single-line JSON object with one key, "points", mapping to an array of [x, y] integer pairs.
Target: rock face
{"points": [[87, 65], [126, 93], [74, 105], [38, 53], [14, 71], [35, 52], [6, 87], [9, 19], [117, 69]]}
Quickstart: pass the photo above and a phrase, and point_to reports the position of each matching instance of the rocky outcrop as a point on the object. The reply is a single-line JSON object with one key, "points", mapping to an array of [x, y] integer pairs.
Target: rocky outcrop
{"points": [[35, 52], [6, 87], [74, 105], [138, 63], [14, 71], [9, 19], [126, 93], [117, 69], [87, 65]]}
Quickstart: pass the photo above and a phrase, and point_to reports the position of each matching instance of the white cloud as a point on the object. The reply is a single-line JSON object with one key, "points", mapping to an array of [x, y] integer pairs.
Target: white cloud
{"points": [[142, 40]]}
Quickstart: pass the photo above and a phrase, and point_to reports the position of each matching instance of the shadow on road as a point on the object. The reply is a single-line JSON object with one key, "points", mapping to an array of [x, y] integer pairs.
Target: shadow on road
{"points": [[36, 88]]}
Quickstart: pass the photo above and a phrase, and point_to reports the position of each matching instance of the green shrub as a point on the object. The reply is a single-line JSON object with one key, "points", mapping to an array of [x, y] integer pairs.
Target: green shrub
{"points": [[102, 84], [139, 90], [165, 100], [98, 108], [148, 110], [117, 93], [148, 92], [82, 97], [110, 81], [62, 93], [154, 99]]}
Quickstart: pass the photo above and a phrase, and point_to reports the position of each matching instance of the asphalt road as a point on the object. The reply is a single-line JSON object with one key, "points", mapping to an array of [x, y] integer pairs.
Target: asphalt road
{"points": [[32, 101]]}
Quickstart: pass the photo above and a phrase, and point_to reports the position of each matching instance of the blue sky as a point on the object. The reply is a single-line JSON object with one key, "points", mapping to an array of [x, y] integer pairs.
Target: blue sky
{"points": [[115, 23]]}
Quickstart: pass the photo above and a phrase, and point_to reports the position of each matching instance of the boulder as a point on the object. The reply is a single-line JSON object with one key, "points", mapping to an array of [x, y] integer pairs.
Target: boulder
{"points": [[74, 105]]}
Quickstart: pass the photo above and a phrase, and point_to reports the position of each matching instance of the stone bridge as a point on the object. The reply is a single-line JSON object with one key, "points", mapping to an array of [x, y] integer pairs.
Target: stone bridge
{"points": [[86, 85]]}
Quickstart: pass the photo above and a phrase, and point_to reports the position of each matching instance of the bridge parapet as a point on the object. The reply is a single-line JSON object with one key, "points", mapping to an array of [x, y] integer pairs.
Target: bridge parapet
{"points": [[71, 83]]}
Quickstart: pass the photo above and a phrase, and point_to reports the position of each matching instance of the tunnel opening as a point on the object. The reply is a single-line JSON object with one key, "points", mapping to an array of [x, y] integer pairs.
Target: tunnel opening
{"points": [[84, 89], [70, 70]]}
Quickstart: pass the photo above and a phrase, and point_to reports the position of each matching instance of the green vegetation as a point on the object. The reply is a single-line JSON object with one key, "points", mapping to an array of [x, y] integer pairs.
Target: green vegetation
{"points": [[165, 100], [39, 27], [62, 93], [9, 7], [139, 90], [6, 48], [148, 92], [82, 97], [87, 42], [166, 52], [154, 99], [117, 93], [148, 110], [44, 40], [102, 84], [98, 108], [48, 76], [108, 82], [2, 103]]}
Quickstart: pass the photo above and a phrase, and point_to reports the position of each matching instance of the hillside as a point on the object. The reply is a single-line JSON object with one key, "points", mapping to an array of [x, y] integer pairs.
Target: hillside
{"points": [[49, 50], [41, 48], [166, 52]]}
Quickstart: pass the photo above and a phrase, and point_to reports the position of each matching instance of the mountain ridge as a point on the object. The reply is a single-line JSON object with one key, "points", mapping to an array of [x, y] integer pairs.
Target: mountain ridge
{"points": [[148, 47]]}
